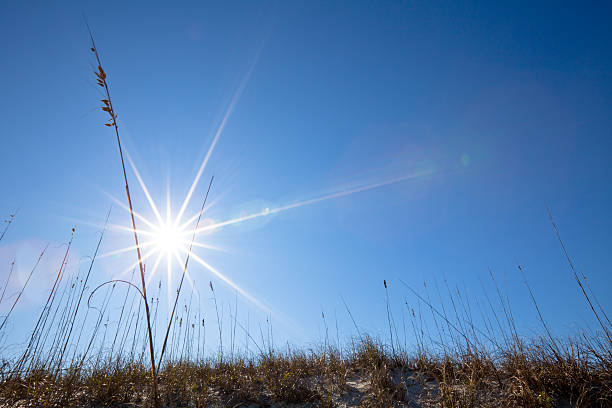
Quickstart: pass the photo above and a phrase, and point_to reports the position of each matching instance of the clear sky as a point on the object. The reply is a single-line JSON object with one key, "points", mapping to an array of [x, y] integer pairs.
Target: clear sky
{"points": [[425, 140]]}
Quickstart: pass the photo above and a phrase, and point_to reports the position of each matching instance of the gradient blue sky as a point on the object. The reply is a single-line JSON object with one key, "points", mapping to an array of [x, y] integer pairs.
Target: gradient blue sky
{"points": [[499, 109]]}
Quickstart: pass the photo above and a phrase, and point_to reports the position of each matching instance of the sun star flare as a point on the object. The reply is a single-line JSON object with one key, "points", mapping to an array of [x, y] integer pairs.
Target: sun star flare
{"points": [[168, 239]]}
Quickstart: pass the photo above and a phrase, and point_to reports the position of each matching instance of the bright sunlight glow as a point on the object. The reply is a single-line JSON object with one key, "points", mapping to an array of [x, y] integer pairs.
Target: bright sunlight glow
{"points": [[171, 241], [168, 239]]}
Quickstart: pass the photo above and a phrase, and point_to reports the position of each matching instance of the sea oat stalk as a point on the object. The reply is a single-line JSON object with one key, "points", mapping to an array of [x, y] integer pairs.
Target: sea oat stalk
{"points": [[112, 122]]}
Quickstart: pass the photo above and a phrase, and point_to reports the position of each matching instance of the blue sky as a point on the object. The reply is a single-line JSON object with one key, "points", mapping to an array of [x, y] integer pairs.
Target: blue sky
{"points": [[496, 111]]}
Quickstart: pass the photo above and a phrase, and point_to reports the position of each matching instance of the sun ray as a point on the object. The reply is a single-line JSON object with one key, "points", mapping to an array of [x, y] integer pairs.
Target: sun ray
{"points": [[143, 258], [194, 217], [123, 250], [203, 210], [337, 194], [211, 247], [154, 269], [229, 282], [128, 229], [125, 207], [187, 275], [144, 188], [220, 129], [168, 277], [168, 204]]}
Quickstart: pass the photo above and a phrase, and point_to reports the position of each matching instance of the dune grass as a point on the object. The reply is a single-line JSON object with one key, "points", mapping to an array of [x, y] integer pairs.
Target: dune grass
{"points": [[527, 375], [460, 363]]}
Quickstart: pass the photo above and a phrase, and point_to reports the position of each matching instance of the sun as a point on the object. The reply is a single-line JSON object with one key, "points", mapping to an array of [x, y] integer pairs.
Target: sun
{"points": [[168, 239]]}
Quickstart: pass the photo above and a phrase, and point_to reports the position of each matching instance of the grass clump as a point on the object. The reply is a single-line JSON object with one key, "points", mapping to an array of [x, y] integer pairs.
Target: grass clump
{"points": [[368, 375]]}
